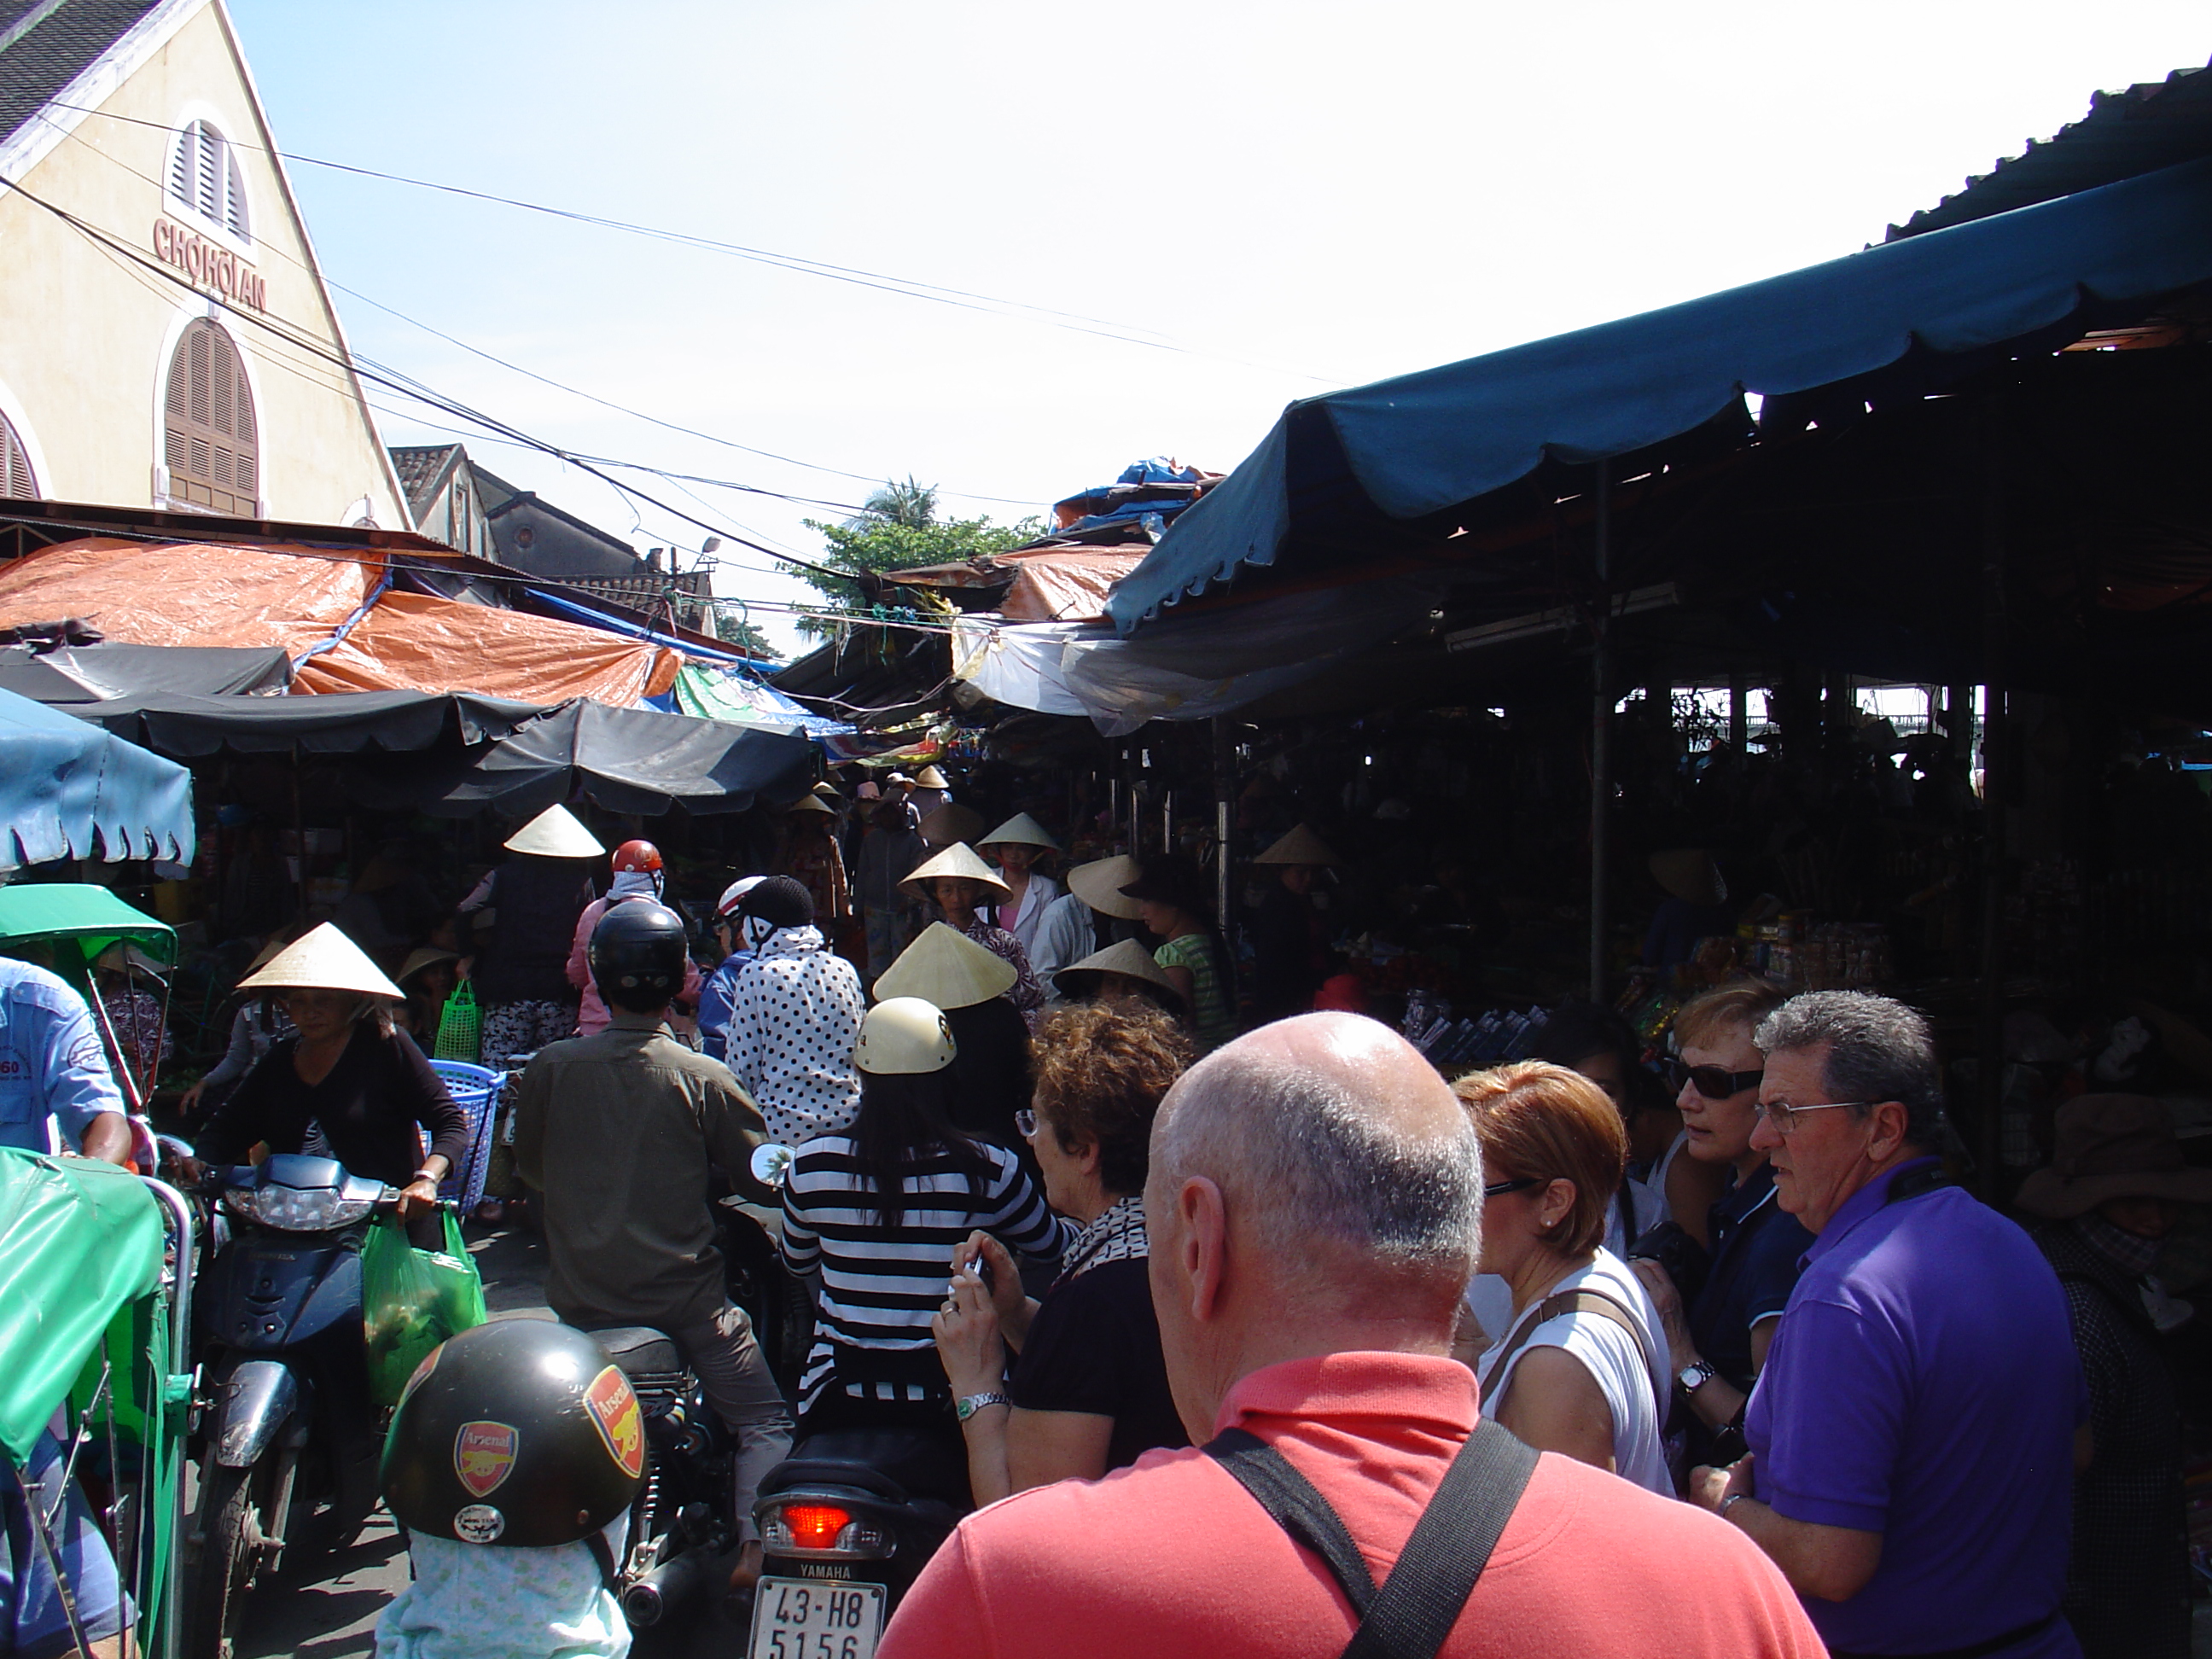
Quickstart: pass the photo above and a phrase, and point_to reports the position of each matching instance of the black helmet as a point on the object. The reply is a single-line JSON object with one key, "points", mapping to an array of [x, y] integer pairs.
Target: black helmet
{"points": [[518, 1432], [637, 955], [780, 902]]}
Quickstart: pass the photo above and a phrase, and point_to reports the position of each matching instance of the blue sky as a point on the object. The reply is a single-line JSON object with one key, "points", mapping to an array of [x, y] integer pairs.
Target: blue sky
{"points": [[1292, 196]]}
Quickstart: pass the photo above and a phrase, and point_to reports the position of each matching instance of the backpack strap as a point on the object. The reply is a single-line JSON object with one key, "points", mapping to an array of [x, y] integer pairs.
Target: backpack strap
{"points": [[1298, 1508], [1412, 1616]]}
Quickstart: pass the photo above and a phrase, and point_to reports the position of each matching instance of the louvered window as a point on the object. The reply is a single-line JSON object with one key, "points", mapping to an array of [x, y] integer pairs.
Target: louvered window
{"points": [[211, 445], [204, 176], [16, 479]]}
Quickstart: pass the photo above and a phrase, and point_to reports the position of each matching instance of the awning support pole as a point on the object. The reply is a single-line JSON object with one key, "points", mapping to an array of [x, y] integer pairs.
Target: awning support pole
{"points": [[1225, 851], [1996, 786], [1601, 734]]}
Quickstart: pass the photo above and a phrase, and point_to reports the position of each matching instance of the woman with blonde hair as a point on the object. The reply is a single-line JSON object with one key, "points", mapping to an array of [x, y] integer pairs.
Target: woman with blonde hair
{"points": [[1578, 1368]]}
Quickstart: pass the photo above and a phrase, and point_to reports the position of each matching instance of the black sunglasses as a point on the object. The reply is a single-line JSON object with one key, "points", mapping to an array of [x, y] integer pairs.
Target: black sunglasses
{"points": [[1711, 1081], [1498, 1187]]}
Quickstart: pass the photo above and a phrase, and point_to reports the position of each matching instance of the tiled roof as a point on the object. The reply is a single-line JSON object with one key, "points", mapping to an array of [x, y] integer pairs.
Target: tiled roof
{"points": [[46, 44], [419, 467], [2138, 129]]}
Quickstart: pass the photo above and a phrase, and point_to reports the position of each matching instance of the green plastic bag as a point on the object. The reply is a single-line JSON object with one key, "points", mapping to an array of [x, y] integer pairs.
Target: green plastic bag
{"points": [[460, 1027], [413, 1300]]}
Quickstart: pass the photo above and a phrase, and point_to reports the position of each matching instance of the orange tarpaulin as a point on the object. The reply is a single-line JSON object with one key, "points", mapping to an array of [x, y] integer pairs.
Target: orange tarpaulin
{"points": [[298, 597]]}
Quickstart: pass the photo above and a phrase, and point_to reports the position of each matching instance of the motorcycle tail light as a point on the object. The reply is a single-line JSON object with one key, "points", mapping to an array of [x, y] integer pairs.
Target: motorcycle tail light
{"points": [[821, 1529]]}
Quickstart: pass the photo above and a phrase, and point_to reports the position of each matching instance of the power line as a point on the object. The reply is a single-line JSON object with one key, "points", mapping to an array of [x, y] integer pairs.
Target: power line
{"points": [[912, 288]]}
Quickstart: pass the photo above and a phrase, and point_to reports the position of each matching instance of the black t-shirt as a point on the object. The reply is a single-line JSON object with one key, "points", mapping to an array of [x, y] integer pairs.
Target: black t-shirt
{"points": [[1095, 1346], [368, 1106]]}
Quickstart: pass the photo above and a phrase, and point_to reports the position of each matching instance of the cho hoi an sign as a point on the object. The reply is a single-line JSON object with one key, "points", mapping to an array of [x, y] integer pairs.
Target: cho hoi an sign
{"points": [[208, 265]]}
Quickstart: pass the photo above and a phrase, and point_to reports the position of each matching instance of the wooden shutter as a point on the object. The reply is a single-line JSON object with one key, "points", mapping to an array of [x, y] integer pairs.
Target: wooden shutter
{"points": [[15, 480], [210, 437], [204, 176]]}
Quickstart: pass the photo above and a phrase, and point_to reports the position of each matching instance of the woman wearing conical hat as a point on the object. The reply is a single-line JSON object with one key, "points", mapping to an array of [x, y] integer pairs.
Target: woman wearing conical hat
{"points": [[348, 1070], [812, 858], [1016, 846], [1290, 939], [961, 884]]}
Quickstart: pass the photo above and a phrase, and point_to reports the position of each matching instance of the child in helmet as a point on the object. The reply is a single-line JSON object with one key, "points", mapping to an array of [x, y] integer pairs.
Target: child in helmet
{"points": [[513, 1461]]}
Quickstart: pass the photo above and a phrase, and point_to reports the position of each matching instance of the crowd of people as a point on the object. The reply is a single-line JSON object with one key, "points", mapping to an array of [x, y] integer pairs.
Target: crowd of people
{"points": [[1729, 1367]]}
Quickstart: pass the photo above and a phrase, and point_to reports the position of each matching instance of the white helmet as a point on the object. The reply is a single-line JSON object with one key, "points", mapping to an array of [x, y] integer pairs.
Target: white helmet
{"points": [[904, 1036], [734, 894]]}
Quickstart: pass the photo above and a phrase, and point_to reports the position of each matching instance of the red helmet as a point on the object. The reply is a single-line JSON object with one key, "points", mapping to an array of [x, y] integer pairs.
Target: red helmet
{"points": [[637, 856]]}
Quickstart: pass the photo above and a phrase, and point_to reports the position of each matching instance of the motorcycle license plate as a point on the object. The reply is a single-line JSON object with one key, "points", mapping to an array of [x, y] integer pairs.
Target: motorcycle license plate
{"points": [[815, 1619]]}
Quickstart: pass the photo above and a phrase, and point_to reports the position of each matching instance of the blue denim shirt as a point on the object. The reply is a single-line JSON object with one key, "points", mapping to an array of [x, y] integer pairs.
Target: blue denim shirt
{"points": [[52, 1068], [714, 999]]}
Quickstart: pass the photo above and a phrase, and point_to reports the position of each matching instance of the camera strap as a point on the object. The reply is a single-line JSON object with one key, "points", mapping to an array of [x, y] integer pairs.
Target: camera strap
{"points": [[1412, 1615]]}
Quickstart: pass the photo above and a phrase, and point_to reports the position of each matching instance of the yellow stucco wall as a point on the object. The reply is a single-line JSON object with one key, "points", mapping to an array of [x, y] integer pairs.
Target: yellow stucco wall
{"points": [[86, 333]]}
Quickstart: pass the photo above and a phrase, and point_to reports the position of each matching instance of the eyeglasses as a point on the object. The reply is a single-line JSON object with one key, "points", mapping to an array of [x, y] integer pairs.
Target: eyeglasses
{"points": [[1783, 1116], [1711, 1081], [1499, 1188], [1025, 1124]]}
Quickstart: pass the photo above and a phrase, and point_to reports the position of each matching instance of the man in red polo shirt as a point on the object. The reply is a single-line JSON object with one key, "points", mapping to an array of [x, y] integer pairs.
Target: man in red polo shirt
{"points": [[1314, 1209]]}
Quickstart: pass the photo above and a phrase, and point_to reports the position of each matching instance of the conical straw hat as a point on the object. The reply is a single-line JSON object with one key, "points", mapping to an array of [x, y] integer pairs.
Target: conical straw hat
{"points": [[949, 824], [1128, 957], [1300, 845], [1024, 830], [930, 778], [1099, 884], [947, 968], [811, 804], [324, 960], [555, 834], [828, 790], [958, 859]]}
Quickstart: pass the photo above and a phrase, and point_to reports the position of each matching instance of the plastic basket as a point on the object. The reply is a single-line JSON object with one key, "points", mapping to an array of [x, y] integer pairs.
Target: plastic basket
{"points": [[474, 1090]]}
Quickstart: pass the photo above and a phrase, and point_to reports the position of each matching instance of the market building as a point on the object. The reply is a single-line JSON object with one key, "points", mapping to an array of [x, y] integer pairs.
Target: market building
{"points": [[169, 341]]}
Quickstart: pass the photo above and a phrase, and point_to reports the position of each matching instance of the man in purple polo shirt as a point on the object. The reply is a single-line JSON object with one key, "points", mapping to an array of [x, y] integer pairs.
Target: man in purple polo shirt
{"points": [[1912, 1436]]}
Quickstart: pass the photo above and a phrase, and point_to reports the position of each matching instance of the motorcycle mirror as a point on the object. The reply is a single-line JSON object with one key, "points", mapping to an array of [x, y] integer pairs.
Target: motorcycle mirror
{"points": [[771, 1163]]}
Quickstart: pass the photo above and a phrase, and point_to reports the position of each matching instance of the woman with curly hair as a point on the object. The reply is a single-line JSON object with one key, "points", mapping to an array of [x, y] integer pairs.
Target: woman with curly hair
{"points": [[1088, 1389]]}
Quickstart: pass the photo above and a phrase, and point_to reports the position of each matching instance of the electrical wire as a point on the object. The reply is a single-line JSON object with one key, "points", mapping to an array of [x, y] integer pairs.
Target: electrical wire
{"points": [[912, 288]]}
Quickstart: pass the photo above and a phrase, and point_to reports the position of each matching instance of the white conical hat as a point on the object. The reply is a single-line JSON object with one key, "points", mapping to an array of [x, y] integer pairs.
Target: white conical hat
{"points": [[1300, 845], [1022, 830], [324, 960], [1099, 884], [1128, 957], [947, 968], [958, 859], [930, 778], [555, 834]]}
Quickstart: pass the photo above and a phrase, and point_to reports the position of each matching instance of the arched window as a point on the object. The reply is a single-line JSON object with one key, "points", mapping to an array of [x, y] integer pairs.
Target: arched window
{"points": [[211, 445], [204, 176], [15, 480]]}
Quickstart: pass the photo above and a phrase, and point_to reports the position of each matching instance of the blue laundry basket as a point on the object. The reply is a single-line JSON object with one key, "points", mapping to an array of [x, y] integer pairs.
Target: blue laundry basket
{"points": [[474, 1090]]}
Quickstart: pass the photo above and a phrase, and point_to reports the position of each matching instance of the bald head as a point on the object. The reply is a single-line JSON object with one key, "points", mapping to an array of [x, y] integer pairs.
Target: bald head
{"points": [[1342, 1158]]}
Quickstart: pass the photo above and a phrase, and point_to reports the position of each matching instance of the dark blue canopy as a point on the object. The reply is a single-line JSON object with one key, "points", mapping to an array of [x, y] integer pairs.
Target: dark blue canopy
{"points": [[1916, 313], [68, 788]]}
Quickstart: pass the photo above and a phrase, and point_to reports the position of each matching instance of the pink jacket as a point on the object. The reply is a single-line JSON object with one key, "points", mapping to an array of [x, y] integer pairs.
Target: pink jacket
{"points": [[591, 1013]]}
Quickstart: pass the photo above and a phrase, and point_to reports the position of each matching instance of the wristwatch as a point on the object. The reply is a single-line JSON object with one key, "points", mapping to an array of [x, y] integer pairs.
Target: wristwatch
{"points": [[1694, 1376], [967, 1405]]}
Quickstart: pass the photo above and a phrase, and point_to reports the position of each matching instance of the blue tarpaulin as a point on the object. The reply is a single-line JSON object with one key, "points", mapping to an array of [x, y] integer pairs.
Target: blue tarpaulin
{"points": [[69, 790], [1924, 309]]}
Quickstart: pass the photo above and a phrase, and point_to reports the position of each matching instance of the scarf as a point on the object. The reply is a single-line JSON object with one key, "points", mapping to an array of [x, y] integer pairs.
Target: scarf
{"points": [[1117, 1235]]}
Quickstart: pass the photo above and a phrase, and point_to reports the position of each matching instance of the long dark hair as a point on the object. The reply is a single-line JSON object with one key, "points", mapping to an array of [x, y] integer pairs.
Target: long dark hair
{"points": [[905, 1120]]}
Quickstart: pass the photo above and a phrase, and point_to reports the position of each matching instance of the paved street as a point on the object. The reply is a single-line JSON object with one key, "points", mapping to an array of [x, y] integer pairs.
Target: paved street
{"points": [[332, 1614]]}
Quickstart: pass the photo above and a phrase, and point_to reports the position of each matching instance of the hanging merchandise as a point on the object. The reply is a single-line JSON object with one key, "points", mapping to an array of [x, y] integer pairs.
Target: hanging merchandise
{"points": [[460, 1027]]}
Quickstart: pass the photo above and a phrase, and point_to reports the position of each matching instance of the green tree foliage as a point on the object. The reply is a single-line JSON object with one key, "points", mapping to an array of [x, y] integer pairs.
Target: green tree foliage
{"points": [[897, 529], [732, 629]]}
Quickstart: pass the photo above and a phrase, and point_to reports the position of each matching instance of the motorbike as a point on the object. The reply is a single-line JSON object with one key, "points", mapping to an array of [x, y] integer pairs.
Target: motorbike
{"points": [[846, 1522], [287, 1433]]}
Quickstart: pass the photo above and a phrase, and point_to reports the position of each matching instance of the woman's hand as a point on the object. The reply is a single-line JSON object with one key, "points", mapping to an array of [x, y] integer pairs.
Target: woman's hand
{"points": [[968, 1337], [191, 1103], [420, 1193], [1005, 1286], [1669, 1301]]}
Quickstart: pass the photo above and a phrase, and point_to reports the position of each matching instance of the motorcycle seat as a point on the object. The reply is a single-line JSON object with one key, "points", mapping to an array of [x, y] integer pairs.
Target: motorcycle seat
{"points": [[640, 1351], [894, 1464]]}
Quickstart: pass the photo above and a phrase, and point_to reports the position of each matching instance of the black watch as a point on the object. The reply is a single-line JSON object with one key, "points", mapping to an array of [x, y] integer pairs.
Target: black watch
{"points": [[1693, 1376]]}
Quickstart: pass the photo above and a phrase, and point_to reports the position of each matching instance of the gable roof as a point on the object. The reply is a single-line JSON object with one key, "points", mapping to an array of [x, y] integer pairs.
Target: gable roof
{"points": [[46, 44], [422, 469]]}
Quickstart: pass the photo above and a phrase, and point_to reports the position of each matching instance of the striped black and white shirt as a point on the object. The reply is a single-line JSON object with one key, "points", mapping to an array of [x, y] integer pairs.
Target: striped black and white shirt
{"points": [[880, 1285]]}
